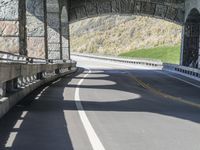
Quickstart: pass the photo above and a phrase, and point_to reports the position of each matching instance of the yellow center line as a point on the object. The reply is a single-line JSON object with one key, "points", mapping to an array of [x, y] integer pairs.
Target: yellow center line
{"points": [[158, 92]]}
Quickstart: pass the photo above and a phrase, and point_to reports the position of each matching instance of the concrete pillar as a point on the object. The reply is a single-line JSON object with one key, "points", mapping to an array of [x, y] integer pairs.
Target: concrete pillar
{"points": [[9, 26], [35, 28], [53, 29], [65, 34]]}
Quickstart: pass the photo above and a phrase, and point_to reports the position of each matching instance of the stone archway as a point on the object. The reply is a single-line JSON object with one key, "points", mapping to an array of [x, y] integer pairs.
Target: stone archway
{"points": [[170, 10], [191, 39]]}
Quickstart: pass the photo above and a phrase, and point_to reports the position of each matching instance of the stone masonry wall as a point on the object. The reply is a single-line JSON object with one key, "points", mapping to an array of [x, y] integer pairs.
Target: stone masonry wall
{"points": [[9, 26], [189, 5], [35, 28], [65, 34], [172, 10], [53, 29]]}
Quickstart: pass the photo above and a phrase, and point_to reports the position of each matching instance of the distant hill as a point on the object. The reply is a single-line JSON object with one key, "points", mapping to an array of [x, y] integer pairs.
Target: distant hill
{"points": [[112, 35]]}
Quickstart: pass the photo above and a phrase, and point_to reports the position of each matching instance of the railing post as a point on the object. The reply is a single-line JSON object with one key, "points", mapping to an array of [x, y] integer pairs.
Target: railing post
{"points": [[2, 89], [11, 85], [57, 71], [39, 76]]}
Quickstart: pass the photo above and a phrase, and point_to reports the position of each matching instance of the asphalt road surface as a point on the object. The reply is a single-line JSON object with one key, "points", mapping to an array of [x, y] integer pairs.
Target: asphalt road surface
{"points": [[107, 106]]}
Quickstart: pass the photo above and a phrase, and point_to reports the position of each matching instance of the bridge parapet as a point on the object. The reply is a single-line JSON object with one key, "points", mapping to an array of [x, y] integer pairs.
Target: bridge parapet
{"points": [[190, 72], [186, 71], [18, 79]]}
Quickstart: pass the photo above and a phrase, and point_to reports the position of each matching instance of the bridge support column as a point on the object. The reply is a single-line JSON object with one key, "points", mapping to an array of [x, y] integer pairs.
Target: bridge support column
{"points": [[191, 42], [35, 28], [12, 26], [53, 29], [65, 37]]}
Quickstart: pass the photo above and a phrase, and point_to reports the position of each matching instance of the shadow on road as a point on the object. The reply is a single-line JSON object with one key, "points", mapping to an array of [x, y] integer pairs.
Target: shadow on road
{"points": [[44, 126], [37, 123]]}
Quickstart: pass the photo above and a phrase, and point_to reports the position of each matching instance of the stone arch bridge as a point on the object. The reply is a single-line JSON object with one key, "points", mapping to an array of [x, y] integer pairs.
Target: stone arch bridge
{"points": [[128, 107], [40, 29]]}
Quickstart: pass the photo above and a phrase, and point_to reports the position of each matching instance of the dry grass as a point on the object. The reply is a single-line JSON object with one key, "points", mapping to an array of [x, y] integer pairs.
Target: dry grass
{"points": [[113, 35]]}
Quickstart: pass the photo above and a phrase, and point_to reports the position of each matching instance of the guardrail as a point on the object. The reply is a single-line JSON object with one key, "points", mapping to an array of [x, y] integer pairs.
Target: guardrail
{"points": [[21, 75], [144, 62], [186, 71], [6, 57]]}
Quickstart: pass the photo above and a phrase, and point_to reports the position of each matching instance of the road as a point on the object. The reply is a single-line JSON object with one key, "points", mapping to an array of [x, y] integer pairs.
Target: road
{"points": [[107, 106]]}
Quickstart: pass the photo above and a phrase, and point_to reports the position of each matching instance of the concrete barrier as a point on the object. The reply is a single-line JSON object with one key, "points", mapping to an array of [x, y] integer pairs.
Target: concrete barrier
{"points": [[19, 80]]}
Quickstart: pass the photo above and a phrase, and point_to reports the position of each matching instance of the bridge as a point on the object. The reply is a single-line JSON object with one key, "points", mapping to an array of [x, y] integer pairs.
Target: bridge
{"points": [[51, 99]]}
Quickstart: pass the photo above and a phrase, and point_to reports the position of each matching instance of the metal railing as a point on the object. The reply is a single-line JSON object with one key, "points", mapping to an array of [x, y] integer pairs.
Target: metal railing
{"points": [[144, 62], [187, 71], [17, 70], [6, 57], [20, 75]]}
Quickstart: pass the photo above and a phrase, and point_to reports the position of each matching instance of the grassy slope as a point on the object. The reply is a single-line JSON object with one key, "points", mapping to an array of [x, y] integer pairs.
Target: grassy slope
{"points": [[112, 35], [170, 54]]}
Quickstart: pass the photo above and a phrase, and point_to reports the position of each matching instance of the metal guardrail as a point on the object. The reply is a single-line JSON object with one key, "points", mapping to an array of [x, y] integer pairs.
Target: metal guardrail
{"points": [[145, 62], [17, 71], [20, 75], [6, 57], [187, 71], [17, 80]]}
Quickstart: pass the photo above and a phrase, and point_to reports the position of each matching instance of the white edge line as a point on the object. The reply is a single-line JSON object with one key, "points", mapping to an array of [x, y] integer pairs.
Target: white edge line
{"points": [[18, 124], [167, 74], [11, 139], [93, 138]]}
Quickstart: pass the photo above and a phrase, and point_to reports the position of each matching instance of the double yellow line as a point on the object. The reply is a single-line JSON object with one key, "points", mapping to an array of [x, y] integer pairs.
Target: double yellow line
{"points": [[158, 92]]}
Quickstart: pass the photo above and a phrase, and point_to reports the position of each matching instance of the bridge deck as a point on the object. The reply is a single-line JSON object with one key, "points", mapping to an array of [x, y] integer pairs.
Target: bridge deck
{"points": [[126, 108]]}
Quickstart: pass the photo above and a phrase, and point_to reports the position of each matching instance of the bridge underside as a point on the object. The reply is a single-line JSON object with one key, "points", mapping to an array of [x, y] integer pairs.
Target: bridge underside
{"points": [[40, 29], [164, 9]]}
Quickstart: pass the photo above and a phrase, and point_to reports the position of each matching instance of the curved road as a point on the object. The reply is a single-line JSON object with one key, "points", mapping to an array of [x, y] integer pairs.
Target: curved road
{"points": [[107, 106]]}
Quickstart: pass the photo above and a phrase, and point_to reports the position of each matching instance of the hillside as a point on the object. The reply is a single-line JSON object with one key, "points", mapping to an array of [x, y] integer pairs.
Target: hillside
{"points": [[112, 35], [167, 54]]}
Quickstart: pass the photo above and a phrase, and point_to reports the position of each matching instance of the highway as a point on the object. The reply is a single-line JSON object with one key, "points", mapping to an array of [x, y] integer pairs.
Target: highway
{"points": [[107, 106]]}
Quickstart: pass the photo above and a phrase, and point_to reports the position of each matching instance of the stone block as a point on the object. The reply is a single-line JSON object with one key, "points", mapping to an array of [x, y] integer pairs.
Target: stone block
{"points": [[35, 8], [36, 47], [81, 12], [91, 7], [9, 10], [35, 27], [53, 20], [9, 28], [9, 44], [161, 10], [65, 53], [65, 42], [104, 7], [54, 54], [53, 35]]}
